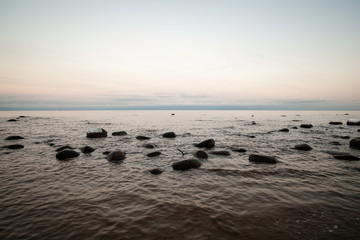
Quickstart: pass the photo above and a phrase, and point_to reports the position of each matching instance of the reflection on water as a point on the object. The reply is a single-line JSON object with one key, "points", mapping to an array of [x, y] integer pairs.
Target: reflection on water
{"points": [[306, 195]]}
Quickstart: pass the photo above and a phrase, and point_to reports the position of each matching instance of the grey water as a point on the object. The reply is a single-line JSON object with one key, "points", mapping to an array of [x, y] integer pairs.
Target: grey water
{"points": [[305, 195]]}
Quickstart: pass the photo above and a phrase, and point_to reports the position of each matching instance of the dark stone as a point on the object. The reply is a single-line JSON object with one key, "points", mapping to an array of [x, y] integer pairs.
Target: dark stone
{"points": [[241, 150], [12, 120], [142, 138], [353, 122], [99, 134], [251, 136], [14, 138], [294, 127], [66, 154], [172, 114], [335, 123], [14, 146], [220, 153], [355, 143], [87, 149], [345, 137], [51, 144], [186, 164], [284, 130], [303, 147], [335, 143], [201, 154], [120, 133], [156, 171], [262, 158], [106, 152], [210, 143], [346, 157], [306, 125], [150, 146], [63, 148], [116, 156], [153, 154], [169, 135], [22, 116], [253, 123], [358, 130]]}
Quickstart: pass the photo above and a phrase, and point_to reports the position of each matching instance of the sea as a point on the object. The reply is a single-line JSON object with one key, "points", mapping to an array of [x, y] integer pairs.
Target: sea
{"points": [[305, 195]]}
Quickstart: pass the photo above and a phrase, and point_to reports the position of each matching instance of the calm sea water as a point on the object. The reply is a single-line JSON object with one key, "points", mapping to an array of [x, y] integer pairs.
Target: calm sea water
{"points": [[306, 195]]}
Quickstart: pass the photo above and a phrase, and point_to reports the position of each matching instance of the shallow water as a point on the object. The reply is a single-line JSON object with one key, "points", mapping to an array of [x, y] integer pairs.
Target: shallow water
{"points": [[306, 195]]}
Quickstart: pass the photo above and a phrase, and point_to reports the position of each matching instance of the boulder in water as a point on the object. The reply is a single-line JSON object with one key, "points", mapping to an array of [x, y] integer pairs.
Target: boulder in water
{"points": [[303, 147], [348, 157], [355, 143], [335, 123], [353, 121], [221, 153], [262, 158], [306, 125], [66, 154], [150, 146], [153, 154], [120, 133], [87, 149], [142, 138], [156, 171], [335, 143], [116, 156], [186, 164], [169, 135], [210, 143], [14, 146], [96, 133], [284, 130], [12, 120], [14, 138], [241, 150], [63, 148], [201, 154]]}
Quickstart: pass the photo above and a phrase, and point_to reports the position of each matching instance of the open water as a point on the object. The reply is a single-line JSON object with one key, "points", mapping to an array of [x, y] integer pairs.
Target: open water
{"points": [[306, 195]]}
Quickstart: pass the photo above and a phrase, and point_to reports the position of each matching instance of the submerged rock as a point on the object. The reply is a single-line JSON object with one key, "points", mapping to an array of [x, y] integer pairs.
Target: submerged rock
{"points": [[156, 171], [150, 146], [96, 133], [120, 133], [14, 138], [353, 121], [63, 148], [169, 135], [241, 150], [220, 153], [355, 143], [153, 154], [306, 125], [348, 157], [66, 154], [201, 154], [210, 143], [284, 130], [335, 123], [262, 158], [87, 149], [303, 147], [116, 156], [14, 146], [186, 164], [12, 120], [106, 152], [142, 138]]}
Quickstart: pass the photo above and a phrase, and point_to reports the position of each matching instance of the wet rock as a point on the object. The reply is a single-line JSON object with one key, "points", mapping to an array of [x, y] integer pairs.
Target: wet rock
{"points": [[87, 149], [153, 154], [253, 123], [353, 122], [12, 120], [142, 138], [355, 143], [303, 147], [173, 114], [22, 116], [294, 127], [156, 171], [220, 153], [262, 158], [210, 143], [67, 154], [284, 130], [348, 157], [306, 125], [201, 154], [14, 146], [169, 135], [335, 143], [150, 146], [116, 156], [106, 153], [186, 164], [335, 123], [120, 133], [14, 138], [241, 150], [96, 133], [345, 137], [63, 148]]}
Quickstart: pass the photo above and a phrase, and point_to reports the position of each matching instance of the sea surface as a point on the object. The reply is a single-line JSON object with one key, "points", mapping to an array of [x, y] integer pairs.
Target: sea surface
{"points": [[306, 195]]}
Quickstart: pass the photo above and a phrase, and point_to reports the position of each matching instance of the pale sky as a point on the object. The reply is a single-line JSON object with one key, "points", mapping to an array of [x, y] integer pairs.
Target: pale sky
{"points": [[124, 54]]}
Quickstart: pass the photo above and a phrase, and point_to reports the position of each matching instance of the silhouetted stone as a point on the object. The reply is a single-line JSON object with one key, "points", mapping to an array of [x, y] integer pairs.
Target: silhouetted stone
{"points": [[153, 154], [303, 147], [63, 148], [169, 135], [156, 171], [142, 138], [358, 130], [12, 120], [241, 150], [96, 133], [220, 153], [150, 146], [335, 123], [172, 114], [306, 125], [87, 149], [120, 133], [284, 130], [106, 152], [14, 138], [355, 143], [348, 157], [335, 143], [294, 127], [186, 164], [116, 156], [345, 137], [353, 122], [14, 146], [210, 143], [66, 154], [253, 123], [262, 158], [201, 154], [22, 116]]}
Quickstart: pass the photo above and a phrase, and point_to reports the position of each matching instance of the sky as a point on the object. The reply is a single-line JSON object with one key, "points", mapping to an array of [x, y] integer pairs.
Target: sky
{"points": [[157, 54]]}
